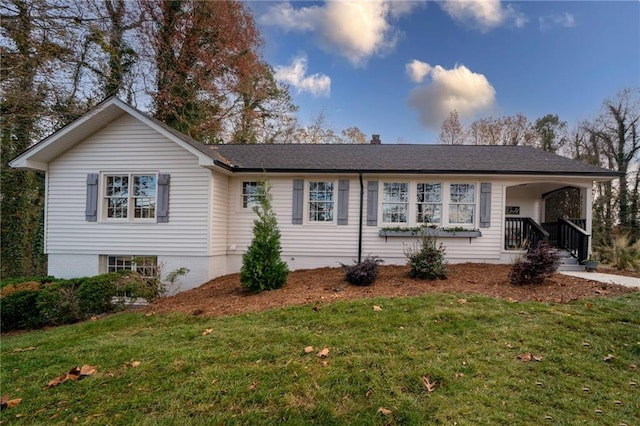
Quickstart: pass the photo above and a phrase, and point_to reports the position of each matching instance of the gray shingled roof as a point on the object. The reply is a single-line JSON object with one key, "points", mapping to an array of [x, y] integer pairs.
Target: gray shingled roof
{"points": [[405, 158]]}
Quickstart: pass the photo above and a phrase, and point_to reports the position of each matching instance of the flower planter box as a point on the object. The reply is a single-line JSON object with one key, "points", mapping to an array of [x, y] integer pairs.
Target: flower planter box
{"points": [[439, 233]]}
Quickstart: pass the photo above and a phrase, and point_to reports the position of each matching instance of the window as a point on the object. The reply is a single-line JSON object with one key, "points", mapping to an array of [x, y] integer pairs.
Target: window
{"points": [[462, 202], [146, 266], [395, 202], [321, 201], [429, 203], [125, 194], [250, 194]]}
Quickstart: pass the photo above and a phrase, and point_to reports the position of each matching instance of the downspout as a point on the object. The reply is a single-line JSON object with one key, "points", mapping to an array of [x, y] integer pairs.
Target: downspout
{"points": [[360, 223]]}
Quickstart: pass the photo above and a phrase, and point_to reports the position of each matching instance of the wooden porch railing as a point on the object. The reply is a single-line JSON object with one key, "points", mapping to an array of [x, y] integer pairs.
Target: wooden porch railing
{"points": [[522, 232], [570, 235]]}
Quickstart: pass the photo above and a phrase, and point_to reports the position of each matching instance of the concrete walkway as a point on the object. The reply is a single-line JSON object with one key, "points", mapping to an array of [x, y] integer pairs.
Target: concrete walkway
{"points": [[604, 278]]}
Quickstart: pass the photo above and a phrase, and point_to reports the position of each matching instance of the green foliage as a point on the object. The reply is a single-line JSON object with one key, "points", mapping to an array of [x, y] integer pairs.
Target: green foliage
{"points": [[18, 310], [262, 267], [539, 262], [426, 259], [46, 301], [622, 253], [363, 273]]}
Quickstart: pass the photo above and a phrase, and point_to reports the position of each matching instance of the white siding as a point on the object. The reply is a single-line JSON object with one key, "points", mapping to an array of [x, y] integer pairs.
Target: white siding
{"points": [[311, 244], [127, 145]]}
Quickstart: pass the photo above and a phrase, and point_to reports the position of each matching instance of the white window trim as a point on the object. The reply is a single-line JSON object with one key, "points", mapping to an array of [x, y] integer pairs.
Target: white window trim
{"points": [[241, 207], [307, 193], [104, 262], [446, 199], [443, 185], [411, 195], [102, 205]]}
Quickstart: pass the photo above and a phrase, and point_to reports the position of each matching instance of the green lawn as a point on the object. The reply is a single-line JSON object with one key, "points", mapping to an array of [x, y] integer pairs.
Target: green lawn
{"points": [[252, 369]]}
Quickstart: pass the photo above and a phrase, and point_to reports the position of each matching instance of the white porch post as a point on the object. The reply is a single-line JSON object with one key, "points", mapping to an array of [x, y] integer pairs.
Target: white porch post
{"points": [[587, 205]]}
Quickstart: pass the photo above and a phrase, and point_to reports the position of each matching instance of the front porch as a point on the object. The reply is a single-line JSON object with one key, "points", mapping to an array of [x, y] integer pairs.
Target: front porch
{"points": [[549, 211]]}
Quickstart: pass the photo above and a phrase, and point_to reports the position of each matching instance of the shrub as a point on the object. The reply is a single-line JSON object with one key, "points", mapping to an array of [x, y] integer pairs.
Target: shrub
{"points": [[426, 259], [363, 273], [539, 262], [18, 310], [622, 254], [59, 302], [262, 267]]}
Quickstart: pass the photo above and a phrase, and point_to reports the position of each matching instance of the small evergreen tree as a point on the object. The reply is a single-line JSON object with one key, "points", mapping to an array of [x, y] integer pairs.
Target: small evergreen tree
{"points": [[262, 267]]}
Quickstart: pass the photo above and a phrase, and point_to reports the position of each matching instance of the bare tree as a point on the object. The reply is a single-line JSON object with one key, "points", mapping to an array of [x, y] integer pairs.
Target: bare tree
{"points": [[451, 131]]}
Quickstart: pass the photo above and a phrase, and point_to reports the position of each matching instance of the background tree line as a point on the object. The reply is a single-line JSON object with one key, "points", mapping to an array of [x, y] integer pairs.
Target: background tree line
{"points": [[609, 140], [198, 66]]}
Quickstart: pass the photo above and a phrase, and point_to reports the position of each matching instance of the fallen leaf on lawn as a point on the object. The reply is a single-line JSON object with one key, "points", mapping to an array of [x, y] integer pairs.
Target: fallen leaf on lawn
{"points": [[462, 301], [459, 375], [384, 411], [325, 363], [608, 358], [377, 308], [5, 402], [585, 344], [586, 389], [87, 370], [369, 393], [525, 357], [599, 411], [74, 374], [133, 364], [431, 386], [323, 353], [617, 402], [633, 383], [548, 417], [536, 358], [308, 349], [509, 345], [253, 386], [512, 300], [94, 318], [207, 331], [30, 348], [539, 384]]}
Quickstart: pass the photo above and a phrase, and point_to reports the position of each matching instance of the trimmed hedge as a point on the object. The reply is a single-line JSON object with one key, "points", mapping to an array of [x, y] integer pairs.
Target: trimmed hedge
{"points": [[50, 301]]}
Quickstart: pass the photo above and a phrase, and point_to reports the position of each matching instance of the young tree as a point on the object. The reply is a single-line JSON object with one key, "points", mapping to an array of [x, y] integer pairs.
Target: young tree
{"points": [[262, 268]]}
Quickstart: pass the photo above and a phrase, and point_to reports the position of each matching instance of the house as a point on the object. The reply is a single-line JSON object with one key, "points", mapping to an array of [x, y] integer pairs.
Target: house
{"points": [[121, 185]]}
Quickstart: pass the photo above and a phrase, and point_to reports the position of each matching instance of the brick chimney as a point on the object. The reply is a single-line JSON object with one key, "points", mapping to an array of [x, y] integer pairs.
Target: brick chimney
{"points": [[375, 140]]}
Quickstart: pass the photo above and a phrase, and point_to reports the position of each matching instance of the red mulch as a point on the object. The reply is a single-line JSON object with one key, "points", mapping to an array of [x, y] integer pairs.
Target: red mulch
{"points": [[226, 296]]}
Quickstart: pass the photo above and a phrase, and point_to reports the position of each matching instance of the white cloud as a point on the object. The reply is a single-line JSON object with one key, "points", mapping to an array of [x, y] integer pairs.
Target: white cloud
{"points": [[355, 30], [295, 76], [483, 14], [458, 88], [564, 20], [417, 70]]}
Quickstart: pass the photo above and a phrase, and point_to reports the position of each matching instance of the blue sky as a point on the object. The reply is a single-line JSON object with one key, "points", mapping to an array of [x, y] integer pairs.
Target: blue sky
{"points": [[397, 68]]}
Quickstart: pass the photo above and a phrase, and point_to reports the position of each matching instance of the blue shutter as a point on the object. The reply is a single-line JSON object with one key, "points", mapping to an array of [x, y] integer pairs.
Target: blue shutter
{"points": [[91, 209], [162, 209], [372, 203], [485, 205], [297, 203], [343, 202]]}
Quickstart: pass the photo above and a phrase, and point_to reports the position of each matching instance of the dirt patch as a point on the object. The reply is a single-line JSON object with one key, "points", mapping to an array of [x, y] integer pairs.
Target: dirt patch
{"points": [[226, 296]]}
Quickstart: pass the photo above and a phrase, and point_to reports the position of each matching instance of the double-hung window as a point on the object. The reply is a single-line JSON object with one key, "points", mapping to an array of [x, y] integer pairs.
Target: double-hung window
{"points": [[462, 202], [250, 194], [429, 203], [395, 202], [146, 266], [321, 201], [130, 196]]}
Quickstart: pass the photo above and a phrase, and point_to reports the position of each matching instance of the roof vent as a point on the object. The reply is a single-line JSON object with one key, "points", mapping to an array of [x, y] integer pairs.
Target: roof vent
{"points": [[375, 140]]}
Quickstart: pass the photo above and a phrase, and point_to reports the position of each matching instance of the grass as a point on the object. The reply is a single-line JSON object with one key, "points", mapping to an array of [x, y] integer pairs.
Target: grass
{"points": [[252, 369]]}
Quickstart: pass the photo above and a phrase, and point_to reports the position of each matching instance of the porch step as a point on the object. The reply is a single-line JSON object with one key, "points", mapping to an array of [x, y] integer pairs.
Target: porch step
{"points": [[571, 267], [568, 262]]}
